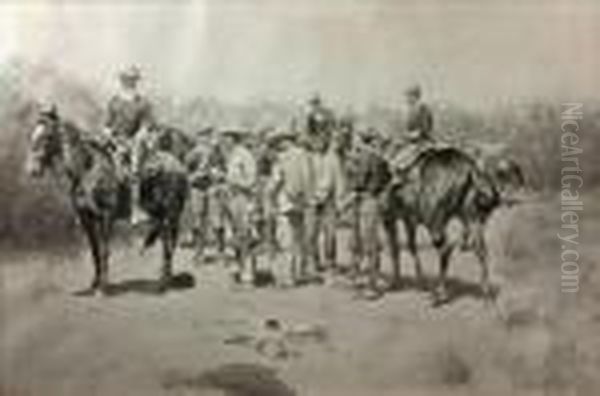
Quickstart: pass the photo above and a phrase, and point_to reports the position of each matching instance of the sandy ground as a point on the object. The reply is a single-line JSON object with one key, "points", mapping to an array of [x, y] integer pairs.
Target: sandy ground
{"points": [[212, 339]]}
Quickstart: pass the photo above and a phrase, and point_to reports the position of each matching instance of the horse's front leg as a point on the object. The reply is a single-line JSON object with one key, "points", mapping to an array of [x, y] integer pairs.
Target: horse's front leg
{"points": [[105, 231], [481, 251], [445, 249], [391, 231], [91, 231], [411, 240]]}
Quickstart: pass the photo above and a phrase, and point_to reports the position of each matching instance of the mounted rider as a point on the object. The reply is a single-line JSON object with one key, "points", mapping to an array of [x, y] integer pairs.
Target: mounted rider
{"points": [[419, 129], [129, 119]]}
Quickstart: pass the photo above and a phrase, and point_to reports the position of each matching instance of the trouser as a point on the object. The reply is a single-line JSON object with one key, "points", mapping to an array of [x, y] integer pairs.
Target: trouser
{"points": [[296, 242], [328, 227], [128, 160], [321, 222], [217, 214], [267, 216], [364, 241], [270, 225], [240, 213], [199, 209]]}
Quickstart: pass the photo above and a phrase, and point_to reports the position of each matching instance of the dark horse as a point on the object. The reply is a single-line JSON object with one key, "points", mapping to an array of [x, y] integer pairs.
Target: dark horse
{"points": [[100, 196], [442, 184]]}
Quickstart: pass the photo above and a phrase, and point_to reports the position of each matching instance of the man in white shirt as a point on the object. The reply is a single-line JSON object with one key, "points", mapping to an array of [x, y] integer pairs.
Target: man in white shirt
{"points": [[293, 184], [240, 178]]}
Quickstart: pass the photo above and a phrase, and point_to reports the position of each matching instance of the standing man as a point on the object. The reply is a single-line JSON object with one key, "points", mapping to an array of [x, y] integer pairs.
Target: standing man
{"points": [[331, 192], [129, 118], [291, 184], [266, 156], [319, 128], [369, 176], [240, 178], [199, 169]]}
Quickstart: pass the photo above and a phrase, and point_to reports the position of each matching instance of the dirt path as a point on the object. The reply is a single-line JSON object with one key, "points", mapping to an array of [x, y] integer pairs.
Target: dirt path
{"points": [[212, 340]]}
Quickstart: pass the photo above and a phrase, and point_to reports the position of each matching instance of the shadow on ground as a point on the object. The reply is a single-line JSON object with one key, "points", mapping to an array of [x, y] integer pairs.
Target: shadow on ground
{"points": [[456, 288], [234, 380], [181, 281]]}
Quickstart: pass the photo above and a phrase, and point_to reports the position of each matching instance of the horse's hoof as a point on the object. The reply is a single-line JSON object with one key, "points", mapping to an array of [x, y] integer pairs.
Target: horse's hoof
{"points": [[440, 297], [489, 292], [164, 284], [372, 294], [88, 292], [107, 291]]}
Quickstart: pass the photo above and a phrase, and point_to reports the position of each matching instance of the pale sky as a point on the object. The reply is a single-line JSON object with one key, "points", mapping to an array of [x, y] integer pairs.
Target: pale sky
{"points": [[355, 52]]}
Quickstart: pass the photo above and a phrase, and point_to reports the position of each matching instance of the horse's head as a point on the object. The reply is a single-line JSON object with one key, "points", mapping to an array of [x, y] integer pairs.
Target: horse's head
{"points": [[508, 178], [44, 142]]}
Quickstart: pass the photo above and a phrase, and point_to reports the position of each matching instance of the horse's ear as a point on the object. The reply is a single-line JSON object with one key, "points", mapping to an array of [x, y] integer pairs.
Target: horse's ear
{"points": [[48, 109]]}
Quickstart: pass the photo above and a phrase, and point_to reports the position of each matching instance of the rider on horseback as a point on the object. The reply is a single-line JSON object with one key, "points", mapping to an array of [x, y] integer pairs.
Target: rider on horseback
{"points": [[419, 127], [129, 119]]}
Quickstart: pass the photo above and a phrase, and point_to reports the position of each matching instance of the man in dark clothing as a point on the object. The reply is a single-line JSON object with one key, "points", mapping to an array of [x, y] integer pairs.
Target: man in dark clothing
{"points": [[368, 174], [320, 122], [419, 127]]}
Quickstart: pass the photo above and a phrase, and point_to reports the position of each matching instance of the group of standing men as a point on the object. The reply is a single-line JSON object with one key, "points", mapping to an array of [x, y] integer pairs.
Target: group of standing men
{"points": [[306, 178]]}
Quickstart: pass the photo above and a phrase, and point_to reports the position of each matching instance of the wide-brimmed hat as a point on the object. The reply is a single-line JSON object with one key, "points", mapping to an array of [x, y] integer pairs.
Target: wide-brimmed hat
{"points": [[206, 131], [48, 109], [131, 73], [315, 99], [278, 136], [413, 90], [235, 132], [369, 134]]}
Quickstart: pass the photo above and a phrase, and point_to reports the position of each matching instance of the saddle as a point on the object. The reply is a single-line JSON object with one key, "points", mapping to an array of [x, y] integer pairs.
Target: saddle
{"points": [[403, 162]]}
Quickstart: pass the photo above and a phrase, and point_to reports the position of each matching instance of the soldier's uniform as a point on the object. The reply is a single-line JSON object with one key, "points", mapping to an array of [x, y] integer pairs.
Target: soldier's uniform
{"points": [[419, 128], [128, 121], [128, 118], [318, 132], [368, 176]]}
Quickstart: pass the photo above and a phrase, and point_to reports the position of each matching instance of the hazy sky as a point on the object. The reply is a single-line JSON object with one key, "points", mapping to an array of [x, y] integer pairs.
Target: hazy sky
{"points": [[472, 52]]}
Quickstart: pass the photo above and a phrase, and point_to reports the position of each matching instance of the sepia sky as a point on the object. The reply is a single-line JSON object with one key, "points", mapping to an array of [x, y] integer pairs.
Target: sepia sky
{"points": [[356, 52]]}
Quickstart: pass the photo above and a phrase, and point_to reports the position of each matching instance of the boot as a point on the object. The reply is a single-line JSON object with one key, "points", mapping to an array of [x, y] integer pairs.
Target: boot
{"points": [[138, 215]]}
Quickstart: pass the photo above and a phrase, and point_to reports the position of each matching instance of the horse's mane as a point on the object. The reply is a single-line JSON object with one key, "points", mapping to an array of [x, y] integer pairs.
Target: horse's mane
{"points": [[89, 142], [446, 154]]}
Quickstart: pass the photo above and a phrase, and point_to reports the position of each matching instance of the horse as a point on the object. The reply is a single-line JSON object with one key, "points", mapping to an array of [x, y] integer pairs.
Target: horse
{"points": [[175, 140], [100, 196], [442, 184]]}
